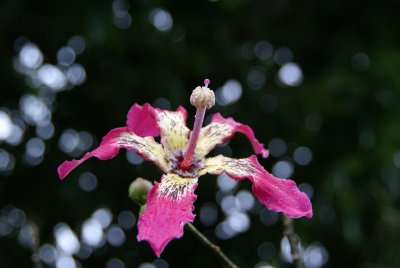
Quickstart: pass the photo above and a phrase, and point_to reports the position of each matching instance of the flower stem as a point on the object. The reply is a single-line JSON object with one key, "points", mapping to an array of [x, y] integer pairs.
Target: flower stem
{"points": [[294, 241], [194, 136], [216, 249]]}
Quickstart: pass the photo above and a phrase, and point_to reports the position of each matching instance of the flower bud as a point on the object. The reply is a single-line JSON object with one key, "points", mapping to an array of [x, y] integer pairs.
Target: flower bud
{"points": [[203, 97], [138, 190]]}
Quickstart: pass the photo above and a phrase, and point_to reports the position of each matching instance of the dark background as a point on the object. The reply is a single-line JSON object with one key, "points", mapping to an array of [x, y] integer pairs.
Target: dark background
{"points": [[345, 111]]}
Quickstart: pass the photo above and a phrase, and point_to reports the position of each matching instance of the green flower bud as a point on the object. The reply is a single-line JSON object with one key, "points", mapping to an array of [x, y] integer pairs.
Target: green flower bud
{"points": [[138, 190], [142, 209]]}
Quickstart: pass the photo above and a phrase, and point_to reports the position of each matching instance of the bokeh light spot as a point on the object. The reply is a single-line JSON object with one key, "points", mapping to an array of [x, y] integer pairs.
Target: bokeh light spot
{"points": [[115, 236], [7, 161], [48, 253], [123, 22], [77, 43], [269, 217], [34, 110], [133, 157], [65, 262], [65, 56], [230, 92], [104, 216], [115, 263], [277, 147], [35, 148], [66, 239], [266, 250], [126, 219], [92, 232], [229, 204], [225, 183], [239, 222], [315, 256], [30, 56], [161, 19], [68, 141], [52, 77], [246, 199], [45, 131], [87, 181], [263, 50], [303, 156], [5, 126], [76, 74], [208, 214], [290, 74], [161, 263], [283, 169], [256, 78], [307, 188], [162, 103], [283, 55], [224, 231]]}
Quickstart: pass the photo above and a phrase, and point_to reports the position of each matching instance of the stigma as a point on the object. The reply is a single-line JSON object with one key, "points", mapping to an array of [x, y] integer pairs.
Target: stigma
{"points": [[202, 98]]}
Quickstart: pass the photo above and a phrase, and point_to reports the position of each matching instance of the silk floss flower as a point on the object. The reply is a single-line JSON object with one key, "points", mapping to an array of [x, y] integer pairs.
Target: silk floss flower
{"points": [[182, 158]]}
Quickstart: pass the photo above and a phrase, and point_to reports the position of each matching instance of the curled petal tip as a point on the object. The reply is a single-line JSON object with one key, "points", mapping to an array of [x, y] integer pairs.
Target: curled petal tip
{"points": [[242, 128], [66, 167], [265, 153], [280, 195], [309, 214]]}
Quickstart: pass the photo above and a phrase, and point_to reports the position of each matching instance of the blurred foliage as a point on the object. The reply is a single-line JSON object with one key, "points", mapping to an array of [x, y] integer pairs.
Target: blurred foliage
{"points": [[346, 110]]}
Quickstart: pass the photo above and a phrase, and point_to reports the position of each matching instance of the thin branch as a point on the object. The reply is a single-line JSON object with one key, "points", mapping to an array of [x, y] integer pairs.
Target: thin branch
{"points": [[294, 241], [35, 245], [216, 249]]}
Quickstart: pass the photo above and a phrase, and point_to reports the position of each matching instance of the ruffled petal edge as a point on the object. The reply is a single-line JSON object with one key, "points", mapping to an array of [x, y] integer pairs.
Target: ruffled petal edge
{"points": [[169, 207], [111, 144]]}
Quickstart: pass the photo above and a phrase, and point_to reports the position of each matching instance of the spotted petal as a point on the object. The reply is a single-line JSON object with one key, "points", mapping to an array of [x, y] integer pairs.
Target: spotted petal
{"points": [[171, 125], [110, 145], [174, 133], [277, 194], [169, 207], [221, 130]]}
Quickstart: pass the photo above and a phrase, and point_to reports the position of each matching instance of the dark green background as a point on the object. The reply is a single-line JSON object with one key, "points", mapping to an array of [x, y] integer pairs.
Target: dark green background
{"points": [[353, 174]]}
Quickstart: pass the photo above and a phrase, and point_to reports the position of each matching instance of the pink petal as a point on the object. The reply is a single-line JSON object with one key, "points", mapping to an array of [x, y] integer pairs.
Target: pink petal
{"points": [[173, 131], [246, 130], [120, 138], [221, 130], [183, 111], [171, 125], [169, 207], [143, 120], [277, 194]]}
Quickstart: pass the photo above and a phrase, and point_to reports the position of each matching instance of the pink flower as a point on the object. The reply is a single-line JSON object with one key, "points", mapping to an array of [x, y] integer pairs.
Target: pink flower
{"points": [[182, 157]]}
